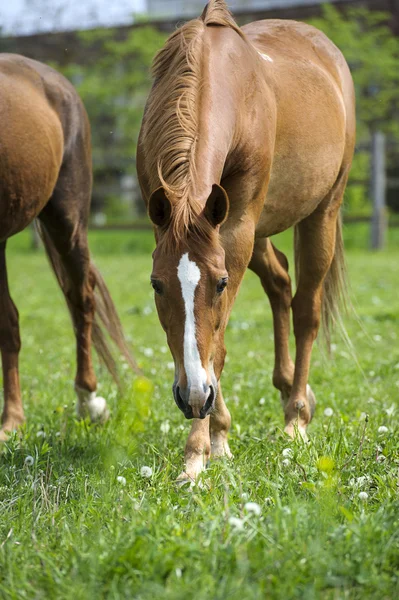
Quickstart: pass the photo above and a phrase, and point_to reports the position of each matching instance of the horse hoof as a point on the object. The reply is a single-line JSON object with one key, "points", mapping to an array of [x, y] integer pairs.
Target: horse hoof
{"points": [[220, 449], [296, 431], [311, 400], [98, 411], [92, 406], [4, 436]]}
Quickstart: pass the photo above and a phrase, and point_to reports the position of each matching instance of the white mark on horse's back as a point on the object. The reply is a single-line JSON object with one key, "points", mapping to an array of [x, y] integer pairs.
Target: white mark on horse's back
{"points": [[189, 276], [265, 56]]}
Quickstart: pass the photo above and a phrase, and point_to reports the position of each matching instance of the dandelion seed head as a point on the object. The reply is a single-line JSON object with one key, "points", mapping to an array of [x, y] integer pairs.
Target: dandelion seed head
{"points": [[165, 427], [236, 523], [328, 412], [253, 507], [146, 472]]}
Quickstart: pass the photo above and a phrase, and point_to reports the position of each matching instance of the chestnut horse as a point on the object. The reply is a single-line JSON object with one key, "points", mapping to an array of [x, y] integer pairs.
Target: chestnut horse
{"points": [[246, 132], [45, 172]]}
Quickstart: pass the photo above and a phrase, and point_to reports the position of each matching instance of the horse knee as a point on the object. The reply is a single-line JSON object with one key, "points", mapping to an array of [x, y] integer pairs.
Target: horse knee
{"points": [[283, 379]]}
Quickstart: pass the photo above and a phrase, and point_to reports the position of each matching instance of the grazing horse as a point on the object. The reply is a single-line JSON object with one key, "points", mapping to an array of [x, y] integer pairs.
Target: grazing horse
{"points": [[45, 172], [246, 132]]}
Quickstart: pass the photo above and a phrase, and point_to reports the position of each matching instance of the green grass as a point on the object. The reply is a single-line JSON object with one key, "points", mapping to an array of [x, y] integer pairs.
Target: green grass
{"points": [[70, 529]]}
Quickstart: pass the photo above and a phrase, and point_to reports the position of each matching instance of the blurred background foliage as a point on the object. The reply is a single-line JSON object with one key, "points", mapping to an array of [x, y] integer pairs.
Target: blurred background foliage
{"points": [[372, 52], [113, 80]]}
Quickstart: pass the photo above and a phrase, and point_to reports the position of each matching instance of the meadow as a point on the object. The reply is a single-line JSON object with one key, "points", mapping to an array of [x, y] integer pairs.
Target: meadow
{"points": [[79, 516]]}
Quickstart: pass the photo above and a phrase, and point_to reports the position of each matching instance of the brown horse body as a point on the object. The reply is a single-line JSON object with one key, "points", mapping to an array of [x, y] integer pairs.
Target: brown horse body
{"points": [[45, 172], [267, 112]]}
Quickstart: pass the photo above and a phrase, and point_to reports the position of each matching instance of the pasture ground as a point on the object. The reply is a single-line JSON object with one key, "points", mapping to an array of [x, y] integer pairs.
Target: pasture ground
{"points": [[329, 511]]}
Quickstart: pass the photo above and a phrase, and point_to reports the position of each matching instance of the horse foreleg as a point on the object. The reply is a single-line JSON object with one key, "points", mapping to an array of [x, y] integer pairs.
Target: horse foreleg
{"points": [[219, 428], [197, 450], [10, 344]]}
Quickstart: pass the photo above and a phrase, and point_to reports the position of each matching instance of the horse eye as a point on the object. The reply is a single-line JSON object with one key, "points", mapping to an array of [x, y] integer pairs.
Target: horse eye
{"points": [[156, 285], [221, 284]]}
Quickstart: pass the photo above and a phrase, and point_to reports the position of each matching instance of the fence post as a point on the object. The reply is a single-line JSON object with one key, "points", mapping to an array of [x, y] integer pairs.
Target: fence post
{"points": [[378, 190]]}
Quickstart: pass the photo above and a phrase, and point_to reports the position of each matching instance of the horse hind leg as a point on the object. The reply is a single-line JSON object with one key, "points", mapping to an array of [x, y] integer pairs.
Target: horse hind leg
{"points": [[65, 240], [316, 252], [10, 344], [271, 266]]}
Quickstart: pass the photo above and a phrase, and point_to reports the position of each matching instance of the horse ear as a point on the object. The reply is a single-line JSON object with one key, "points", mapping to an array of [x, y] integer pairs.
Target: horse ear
{"points": [[159, 208], [217, 206]]}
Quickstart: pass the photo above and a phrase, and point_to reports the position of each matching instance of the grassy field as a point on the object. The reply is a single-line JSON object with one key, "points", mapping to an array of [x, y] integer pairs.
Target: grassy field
{"points": [[283, 520]]}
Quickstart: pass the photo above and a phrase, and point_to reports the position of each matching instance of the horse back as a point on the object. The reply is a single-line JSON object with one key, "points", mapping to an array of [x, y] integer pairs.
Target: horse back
{"points": [[40, 116], [315, 117]]}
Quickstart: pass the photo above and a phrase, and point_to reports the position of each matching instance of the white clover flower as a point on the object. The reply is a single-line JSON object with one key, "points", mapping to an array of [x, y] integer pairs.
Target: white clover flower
{"points": [[41, 433], [361, 480], [120, 479], [165, 427], [244, 325], [286, 462], [29, 460], [146, 472], [147, 310], [287, 453], [286, 510], [390, 410], [377, 338], [328, 412], [383, 429], [269, 501], [148, 352], [251, 354], [262, 401], [244, 496], [170, 366], [236, 523], [363, 496], [381, 458], [178, 572], [253, 507]]}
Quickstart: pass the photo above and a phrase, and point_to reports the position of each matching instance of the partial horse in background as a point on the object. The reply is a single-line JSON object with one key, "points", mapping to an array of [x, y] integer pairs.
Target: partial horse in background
{"points": [[246, 133], [45, 172]]}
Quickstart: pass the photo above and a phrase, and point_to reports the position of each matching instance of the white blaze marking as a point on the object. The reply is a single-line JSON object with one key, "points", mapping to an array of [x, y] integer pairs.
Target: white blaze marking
{"points": [[265, 57], [189, 276]]}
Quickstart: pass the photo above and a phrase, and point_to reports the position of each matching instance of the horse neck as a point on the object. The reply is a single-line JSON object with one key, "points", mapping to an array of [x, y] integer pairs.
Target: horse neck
{"points": [[220, 103]]}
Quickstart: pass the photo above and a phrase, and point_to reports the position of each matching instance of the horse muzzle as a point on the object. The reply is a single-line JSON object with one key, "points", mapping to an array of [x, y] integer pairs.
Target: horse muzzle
{"points": [[195, 404]]}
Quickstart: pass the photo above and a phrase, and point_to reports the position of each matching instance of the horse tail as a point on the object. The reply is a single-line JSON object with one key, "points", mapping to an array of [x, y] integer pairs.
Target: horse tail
{"points": [[216, 12], [335, 299], [106, 323]]}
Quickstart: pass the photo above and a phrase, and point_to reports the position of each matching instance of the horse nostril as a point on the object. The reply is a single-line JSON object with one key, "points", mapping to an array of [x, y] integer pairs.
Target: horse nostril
{"points": [[179, 400], [182, 404], [208, 404]]}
